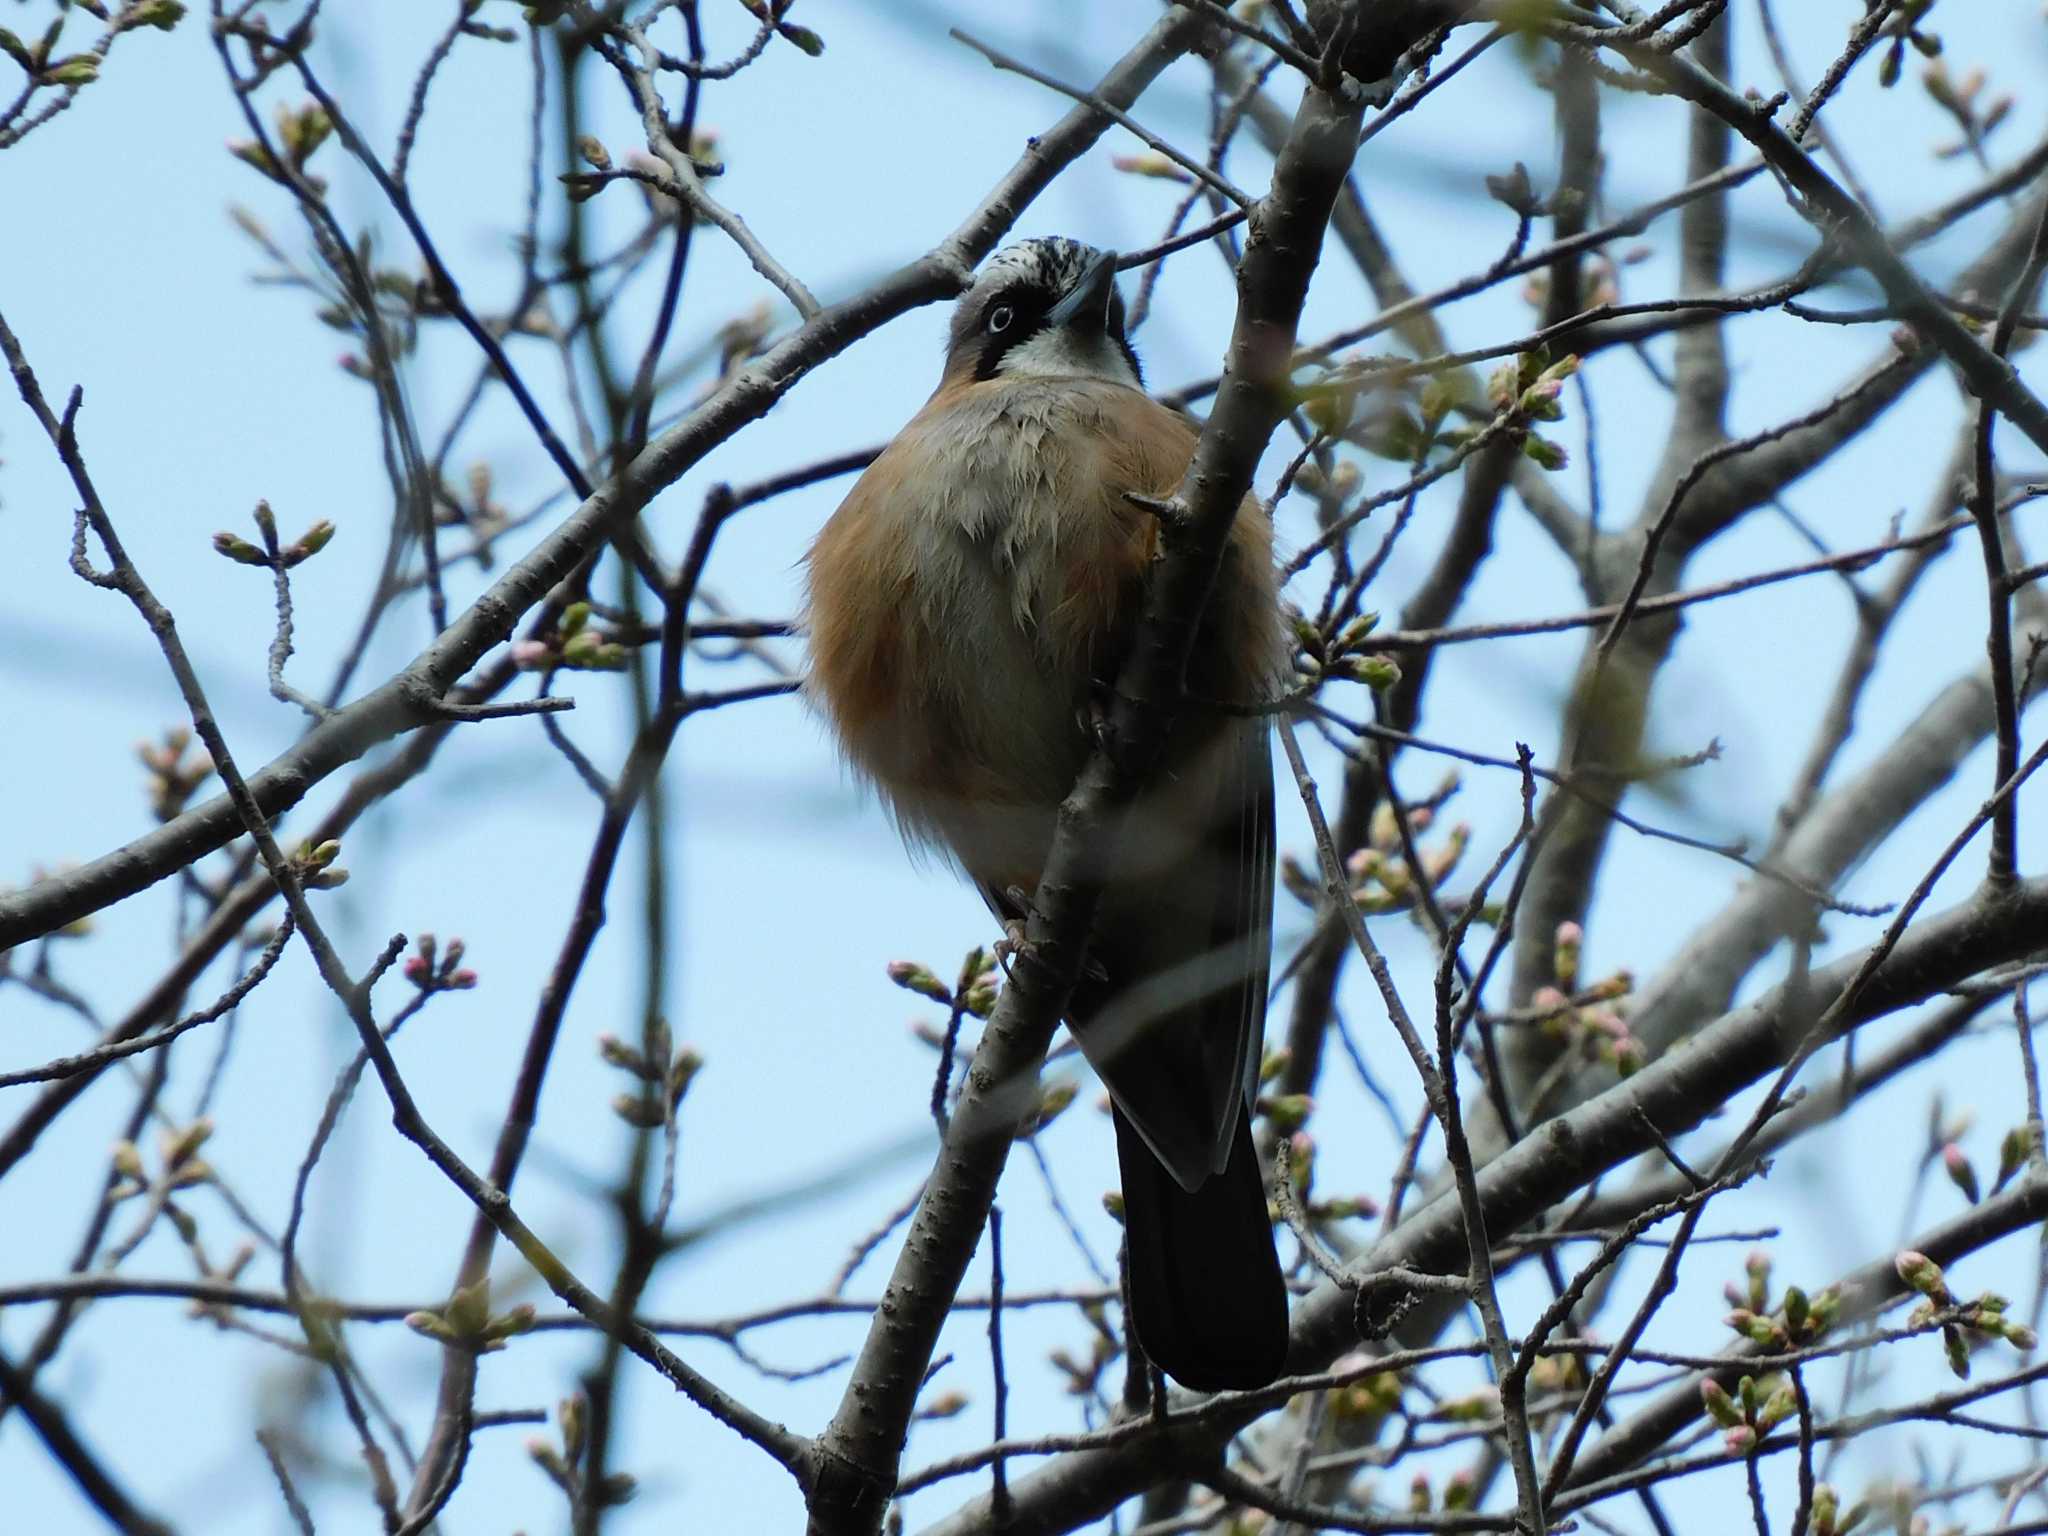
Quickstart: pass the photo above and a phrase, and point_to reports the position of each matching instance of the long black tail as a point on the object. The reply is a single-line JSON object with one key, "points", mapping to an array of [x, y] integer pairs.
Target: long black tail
{"points": [[1207, 1299]]}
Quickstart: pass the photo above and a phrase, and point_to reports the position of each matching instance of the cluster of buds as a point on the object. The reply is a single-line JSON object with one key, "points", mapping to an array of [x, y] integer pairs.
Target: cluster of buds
{"points": [[316, 868], [2015, 1151], [161, 14], [1514, 191], [1460, 1489], [572, 1415], [467, 1321], [1375, 402], [1367, 1401], [664, 1070], [1389, 420], [1751, 1412], [81, 69], [272, 555], [433, 967], [582, 186], [1525, 390], [1794, 1321], [975, 993], [577, 646], [1479, 1406], [1555, 1381], [183, 1167], [1963, 1324], [1958, 98], [1828, 1518], [172, 778], [1287, 1113], [1379, 876], [1343, 656], [771, 12], [1585, 1017], [300, 130], [655, 177], [1902, 27], [1332, 490]]}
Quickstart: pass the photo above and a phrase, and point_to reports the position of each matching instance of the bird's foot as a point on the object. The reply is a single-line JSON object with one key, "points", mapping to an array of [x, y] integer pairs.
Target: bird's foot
{"points": [[1097, 714], [1014, 941]]}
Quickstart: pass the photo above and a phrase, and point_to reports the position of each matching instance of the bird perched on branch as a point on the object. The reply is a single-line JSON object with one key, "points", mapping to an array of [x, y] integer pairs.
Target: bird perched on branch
{"points": [[969, 601]]}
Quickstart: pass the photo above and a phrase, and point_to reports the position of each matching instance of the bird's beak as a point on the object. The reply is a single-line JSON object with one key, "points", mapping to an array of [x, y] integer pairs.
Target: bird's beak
{"points": [[1086, 306]]}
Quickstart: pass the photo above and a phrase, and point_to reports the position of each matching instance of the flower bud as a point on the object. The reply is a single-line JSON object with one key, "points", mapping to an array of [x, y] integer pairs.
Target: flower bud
{"points": [[912, 977], [241, 551], [2013, 1152], [1152, 164], [1460, 1489], [683, 1068], [1922, 1274], [79, 69], [1777, 1408], [309, 543], [1957, 1349], [573, 1414], [1301, 1162], [638, 1112], [1796, 1309], [1377, 672], [1287, 1112], [1960, 1173], [1719, 1405]]}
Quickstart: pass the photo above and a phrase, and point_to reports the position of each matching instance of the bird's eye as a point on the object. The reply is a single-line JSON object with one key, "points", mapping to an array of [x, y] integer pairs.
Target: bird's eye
{"points": [[999, 319]]}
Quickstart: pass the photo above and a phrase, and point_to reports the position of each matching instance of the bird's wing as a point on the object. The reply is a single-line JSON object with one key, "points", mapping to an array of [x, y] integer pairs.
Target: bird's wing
{"points": [[1172, 1010], [1171, 1006]]}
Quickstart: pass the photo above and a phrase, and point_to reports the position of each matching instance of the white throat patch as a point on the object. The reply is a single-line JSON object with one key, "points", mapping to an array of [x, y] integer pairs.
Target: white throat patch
{"points": [[1060, 353]]}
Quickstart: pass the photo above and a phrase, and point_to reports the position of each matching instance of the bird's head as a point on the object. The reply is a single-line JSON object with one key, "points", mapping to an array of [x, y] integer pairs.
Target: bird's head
{"points": [[1045, 308]]}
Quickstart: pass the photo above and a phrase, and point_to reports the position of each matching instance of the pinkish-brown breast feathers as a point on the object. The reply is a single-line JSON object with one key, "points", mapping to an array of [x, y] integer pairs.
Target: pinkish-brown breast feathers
{"points": [[976, 581]]}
